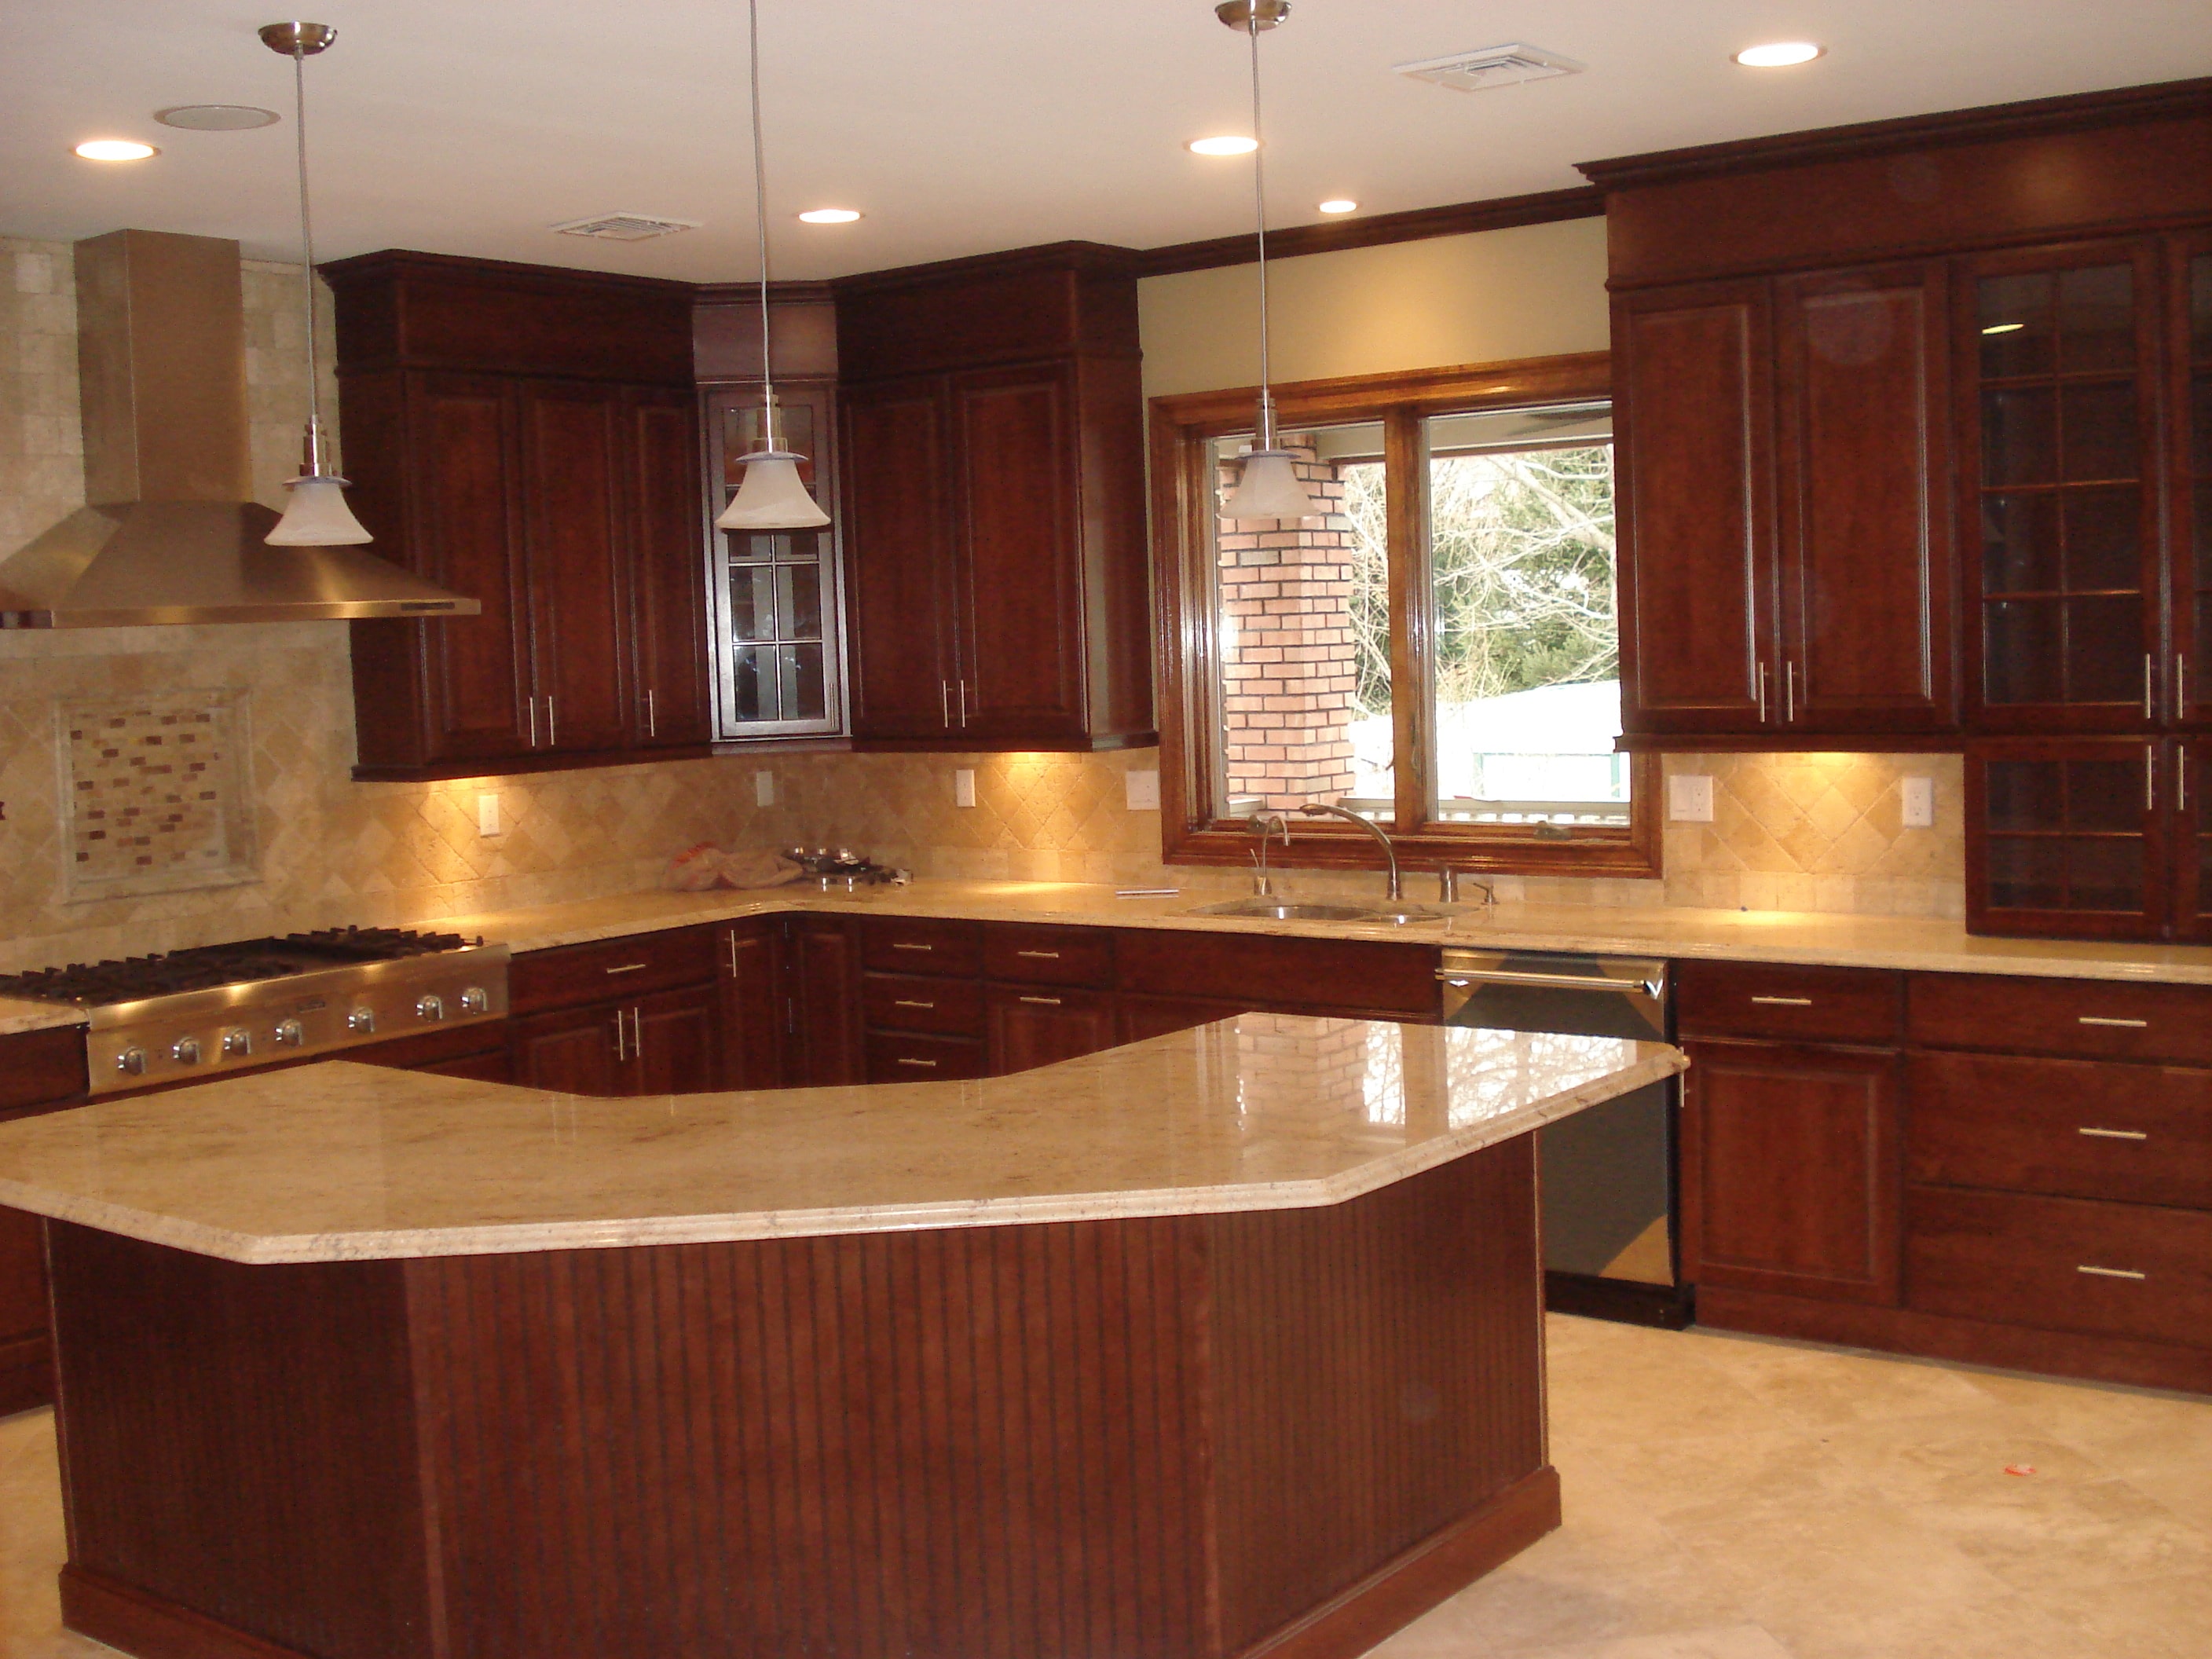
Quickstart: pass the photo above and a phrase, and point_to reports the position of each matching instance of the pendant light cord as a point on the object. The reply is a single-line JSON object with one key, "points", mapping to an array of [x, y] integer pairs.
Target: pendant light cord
{"points": [[307, 270], [760, 218], [1260, 214]]}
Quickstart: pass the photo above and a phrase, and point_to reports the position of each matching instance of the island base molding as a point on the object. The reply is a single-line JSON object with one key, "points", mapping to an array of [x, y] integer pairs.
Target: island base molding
{"points": [[1966, 1341], [1282, 1432]]}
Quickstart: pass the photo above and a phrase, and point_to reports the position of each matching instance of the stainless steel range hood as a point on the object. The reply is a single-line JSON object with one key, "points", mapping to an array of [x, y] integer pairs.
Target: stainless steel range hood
{"points": [[171, 536]]}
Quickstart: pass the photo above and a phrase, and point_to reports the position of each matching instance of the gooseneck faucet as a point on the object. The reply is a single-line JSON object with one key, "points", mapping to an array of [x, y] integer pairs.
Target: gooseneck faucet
{"points": [[1269, 826], [1317, 808]]}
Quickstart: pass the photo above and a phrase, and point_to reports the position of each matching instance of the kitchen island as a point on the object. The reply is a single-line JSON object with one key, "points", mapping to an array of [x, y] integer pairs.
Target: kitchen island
{"points": [[1220, 1343]]}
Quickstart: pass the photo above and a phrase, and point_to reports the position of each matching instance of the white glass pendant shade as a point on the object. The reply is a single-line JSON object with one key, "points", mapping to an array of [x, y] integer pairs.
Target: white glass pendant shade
{"points": [[772, 497], [1269, 488], [317, 515]]}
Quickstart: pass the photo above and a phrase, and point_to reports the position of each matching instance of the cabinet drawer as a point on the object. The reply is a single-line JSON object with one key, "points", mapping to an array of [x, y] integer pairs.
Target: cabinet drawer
{"points": [[2065, 1264], [1770, 999], [907, 1057], [2141, 1134], [623, 968], [892, 944], [2089, 1019], [1049, 956], [41, 1068], [916, 1002]]}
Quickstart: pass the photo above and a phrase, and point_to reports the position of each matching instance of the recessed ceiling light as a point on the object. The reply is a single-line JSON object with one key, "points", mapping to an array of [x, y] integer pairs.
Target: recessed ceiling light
{"points": [[1779, 54], [217, 118], [115, 149], [829, 215], [1226, 144], [1339, 205]]}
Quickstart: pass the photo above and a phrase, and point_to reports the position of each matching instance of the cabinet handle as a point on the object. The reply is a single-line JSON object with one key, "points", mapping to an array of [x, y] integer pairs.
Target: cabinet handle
{"points": [[2111, 1273], [622, 1049], [731, 938], [2107, 1019], [2150, 777], [945, 703], [1783, 1002], [1789, 692], [910, 1002], [1762, 694], [2150, 673], [633, 967], [552, 723], [901, 944], [1042, 1002], [963, 704], [2180, 683], [651, 721], [531, 702], [931, 1065], [1040, 956], [2112, 1134]]}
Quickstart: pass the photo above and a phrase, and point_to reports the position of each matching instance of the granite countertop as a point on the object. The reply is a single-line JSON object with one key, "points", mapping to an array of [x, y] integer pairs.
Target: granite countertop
{"points": [[18, 1015], [1856, 941], [343, 1162]]}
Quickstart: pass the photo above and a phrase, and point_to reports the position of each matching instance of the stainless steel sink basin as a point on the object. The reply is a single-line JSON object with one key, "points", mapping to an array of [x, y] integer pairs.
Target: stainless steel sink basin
{"points": [[1406, 915], [1282, 910]]}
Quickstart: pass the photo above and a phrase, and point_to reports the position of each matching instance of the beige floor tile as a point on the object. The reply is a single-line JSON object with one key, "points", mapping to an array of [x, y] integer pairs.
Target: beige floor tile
{"points": [[2002, 1627], [2149, 1619], [1729, 1642]]}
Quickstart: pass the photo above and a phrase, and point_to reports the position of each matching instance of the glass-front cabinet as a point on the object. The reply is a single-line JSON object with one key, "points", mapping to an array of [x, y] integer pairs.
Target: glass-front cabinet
{"points": [[778, 650], [2192, 506], [2071, 838]]}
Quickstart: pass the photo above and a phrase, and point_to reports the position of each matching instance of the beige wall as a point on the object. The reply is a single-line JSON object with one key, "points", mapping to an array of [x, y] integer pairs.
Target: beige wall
{"points": [[1533, 291]]}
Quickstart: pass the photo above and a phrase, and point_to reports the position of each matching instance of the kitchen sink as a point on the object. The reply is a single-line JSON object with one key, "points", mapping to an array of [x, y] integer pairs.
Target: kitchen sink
{"points": [[1269, 909], [1406, 915]]}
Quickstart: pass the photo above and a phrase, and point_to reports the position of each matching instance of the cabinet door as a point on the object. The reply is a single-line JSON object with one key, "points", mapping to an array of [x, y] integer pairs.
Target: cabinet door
{"points": [[1790, 1176], [1694, 422], [2060, 461], [674, 1043], [1141, 1014], [755, 1006], [825, 991], [667, 572], [461, 455], [25, 1377], [2192, 844], [900, 566], [1031, 1025], [1863, 503], [572, 1051], [2191, 522], [2069, 837], [573, 490], [1021, 602]]}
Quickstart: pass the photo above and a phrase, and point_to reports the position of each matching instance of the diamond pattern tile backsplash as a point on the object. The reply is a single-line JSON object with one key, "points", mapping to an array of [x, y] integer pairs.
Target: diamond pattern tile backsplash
{"points": [[157, 793]]}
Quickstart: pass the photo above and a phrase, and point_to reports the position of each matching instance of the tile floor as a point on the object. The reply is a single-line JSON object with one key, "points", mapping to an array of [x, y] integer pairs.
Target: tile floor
{"points": [[1727, 1498]]}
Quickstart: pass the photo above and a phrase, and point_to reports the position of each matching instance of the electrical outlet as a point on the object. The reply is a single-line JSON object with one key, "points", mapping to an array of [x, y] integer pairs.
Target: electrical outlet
{"points": [[963, 786], [1916, 802], [1690, 798], [488, 822], [1142, 790], [763, 789]]}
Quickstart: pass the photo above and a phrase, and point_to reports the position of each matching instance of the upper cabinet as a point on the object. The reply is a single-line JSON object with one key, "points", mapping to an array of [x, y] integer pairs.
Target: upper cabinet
{"points": [[528, 437], [991, 420]]}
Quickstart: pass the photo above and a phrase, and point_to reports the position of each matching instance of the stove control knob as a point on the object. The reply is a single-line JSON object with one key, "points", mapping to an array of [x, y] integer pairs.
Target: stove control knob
{"points": [[238, 1041], [475, 1000], [185, 1051], [430, 1006], [131, 1062], [289, 1034], [362, 1020]]}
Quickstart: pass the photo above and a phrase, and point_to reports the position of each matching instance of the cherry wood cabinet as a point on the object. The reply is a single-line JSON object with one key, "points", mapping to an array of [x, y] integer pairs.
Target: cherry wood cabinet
{"points": [[668, 1043], [2089, 837], [823, 980], [991, 420], [1031, 1025], [756, 1006], [40, 1071]]}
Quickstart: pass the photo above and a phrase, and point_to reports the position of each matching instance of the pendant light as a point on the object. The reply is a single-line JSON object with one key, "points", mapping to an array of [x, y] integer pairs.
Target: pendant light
{"points": [[317, 515], [1269, 486], [772, 497]]}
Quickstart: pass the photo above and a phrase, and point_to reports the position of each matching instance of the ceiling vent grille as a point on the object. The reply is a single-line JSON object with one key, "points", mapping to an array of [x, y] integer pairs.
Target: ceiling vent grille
{"points": [[625, 226], [1492, 66]]}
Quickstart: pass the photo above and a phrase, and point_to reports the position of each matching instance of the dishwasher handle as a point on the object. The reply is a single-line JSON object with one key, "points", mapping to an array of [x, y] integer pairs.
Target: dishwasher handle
{"points": [[1463, 977]]}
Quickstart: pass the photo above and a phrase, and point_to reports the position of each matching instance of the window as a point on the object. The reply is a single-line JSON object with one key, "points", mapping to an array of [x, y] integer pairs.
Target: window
{"points": [[1437, 651]]}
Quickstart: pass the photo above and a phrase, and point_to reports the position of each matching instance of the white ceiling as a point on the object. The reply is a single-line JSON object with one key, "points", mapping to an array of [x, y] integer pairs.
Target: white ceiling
{"points": [[958, 126]]}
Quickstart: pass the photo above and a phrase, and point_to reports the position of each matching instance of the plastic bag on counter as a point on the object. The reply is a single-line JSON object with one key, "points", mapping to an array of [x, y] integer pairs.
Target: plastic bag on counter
{"points": [[698, 868]]}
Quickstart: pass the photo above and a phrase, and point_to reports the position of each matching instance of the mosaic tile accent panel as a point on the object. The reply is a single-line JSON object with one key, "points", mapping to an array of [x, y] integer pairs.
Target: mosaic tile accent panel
{"points": [[156, 790]]}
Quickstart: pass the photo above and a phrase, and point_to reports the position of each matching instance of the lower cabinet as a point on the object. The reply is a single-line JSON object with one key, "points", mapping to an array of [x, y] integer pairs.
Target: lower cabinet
{"points": [[1026, 1026], [823, 992], [666, 1044], [40, 1071], [755, 1006]]}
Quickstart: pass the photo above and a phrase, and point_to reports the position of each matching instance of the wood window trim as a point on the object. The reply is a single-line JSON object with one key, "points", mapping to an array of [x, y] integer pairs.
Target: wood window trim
{"points": [[1185, 639]]}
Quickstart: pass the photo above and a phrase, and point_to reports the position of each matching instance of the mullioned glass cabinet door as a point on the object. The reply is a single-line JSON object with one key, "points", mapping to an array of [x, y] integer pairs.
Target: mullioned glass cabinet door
{"points": [[2070, 836]]}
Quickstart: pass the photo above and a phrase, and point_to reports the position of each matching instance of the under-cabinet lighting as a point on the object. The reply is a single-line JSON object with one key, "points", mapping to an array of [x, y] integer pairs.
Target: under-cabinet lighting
{"points": [[2005, 328], [1226, 144], [115, 149], [1339, 205], [829, 215], [1779, 54]]}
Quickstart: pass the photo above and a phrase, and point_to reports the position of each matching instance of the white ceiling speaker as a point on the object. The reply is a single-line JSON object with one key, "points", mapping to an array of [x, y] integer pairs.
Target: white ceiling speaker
{"points": [[625, 226], [1492, 66]]}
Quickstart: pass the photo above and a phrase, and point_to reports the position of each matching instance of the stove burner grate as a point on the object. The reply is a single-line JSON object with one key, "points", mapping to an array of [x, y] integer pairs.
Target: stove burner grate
{"points": [[210, 967]]}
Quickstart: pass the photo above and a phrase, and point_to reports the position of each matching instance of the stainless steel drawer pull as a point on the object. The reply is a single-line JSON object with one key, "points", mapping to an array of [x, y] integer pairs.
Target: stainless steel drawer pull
{"points": [[1041, 956], [1460, 979], [1783, 1002], [629, 968], [931, 1065], [902, 945], [2123, 1024], [910, 1002], [1043, 1002], [2113, 1134], [2111, 1273]]}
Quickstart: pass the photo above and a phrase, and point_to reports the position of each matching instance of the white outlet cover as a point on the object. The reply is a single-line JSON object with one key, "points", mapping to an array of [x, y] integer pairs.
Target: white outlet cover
{"points": [[1690, 798], [1142, 790], [488, 822], [1916, 802], [963, 786], [763, 789]]}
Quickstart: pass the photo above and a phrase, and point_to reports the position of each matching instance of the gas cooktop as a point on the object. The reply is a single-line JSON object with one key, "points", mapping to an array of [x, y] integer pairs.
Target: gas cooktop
{"points": [[207, 967]]}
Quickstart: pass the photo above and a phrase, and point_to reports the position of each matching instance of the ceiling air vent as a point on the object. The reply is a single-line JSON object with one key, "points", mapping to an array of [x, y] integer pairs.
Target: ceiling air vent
{"points": [[625, 226], [1492, 66]]}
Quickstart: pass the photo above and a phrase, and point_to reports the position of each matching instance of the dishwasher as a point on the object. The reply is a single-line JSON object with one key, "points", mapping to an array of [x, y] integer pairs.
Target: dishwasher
{"points": [[1606, 1175]]}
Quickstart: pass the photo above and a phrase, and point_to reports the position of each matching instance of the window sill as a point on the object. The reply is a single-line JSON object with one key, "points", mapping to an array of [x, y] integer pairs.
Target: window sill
{"points": [[1613, 853]]}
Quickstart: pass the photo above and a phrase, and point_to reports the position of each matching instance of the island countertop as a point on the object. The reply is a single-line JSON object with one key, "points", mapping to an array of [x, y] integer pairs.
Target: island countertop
{"points": [[343, 1162]]}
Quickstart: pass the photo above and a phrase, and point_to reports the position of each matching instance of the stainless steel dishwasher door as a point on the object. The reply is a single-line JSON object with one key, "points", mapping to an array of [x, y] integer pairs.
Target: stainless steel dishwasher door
{"points": [[1606, 1173]]}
